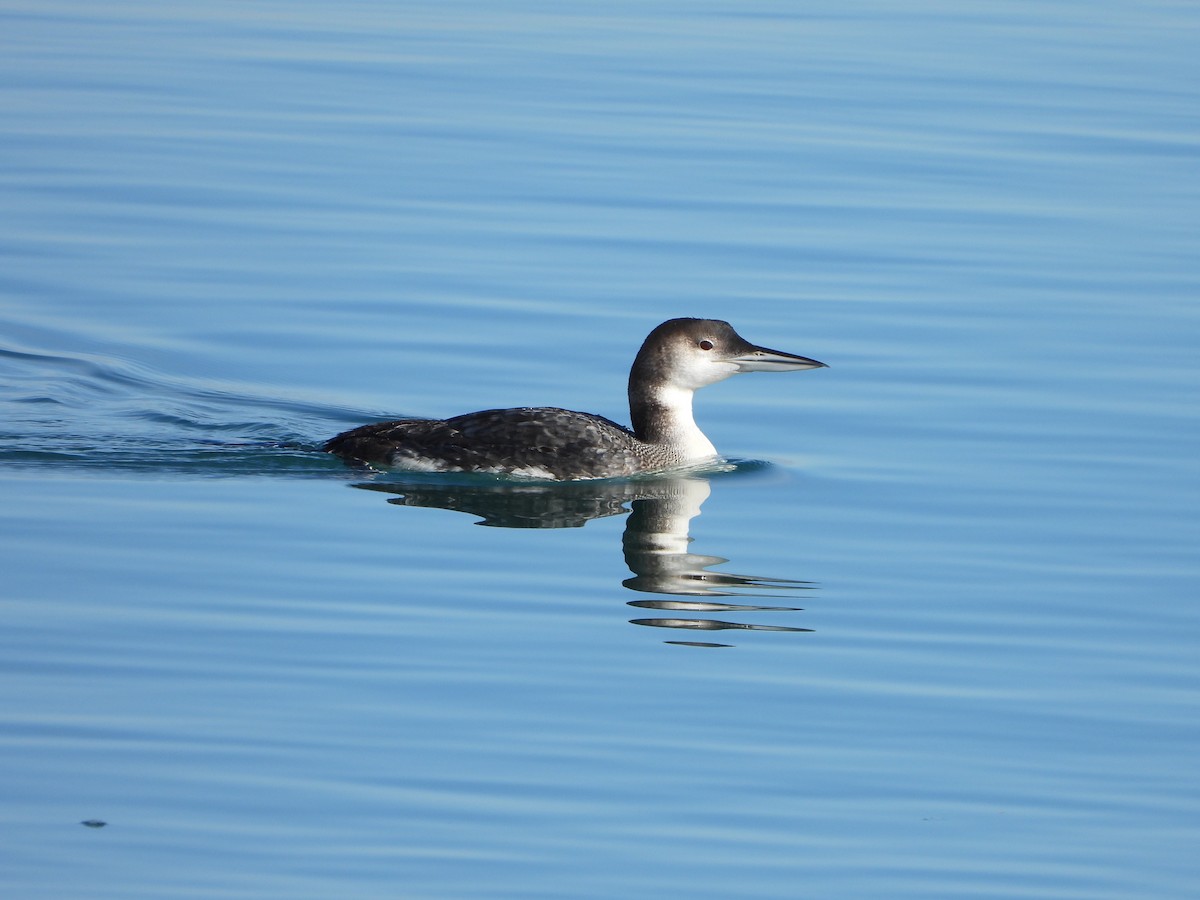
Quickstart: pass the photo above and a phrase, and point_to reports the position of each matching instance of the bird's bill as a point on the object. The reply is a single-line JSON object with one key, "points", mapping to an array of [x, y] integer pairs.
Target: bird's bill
{"points": [[760, 359]]}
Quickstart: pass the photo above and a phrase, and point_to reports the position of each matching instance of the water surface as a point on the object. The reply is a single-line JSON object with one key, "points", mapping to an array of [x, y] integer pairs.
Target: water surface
{"points": [[933, 634]]}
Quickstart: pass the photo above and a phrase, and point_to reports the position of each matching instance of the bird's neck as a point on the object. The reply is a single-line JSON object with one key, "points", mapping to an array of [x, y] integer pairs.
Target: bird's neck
{"points": [[663, 417]]}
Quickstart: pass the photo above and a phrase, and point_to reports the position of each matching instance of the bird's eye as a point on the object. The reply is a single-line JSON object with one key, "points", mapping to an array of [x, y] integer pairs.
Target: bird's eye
{"points": [[704, 345]]}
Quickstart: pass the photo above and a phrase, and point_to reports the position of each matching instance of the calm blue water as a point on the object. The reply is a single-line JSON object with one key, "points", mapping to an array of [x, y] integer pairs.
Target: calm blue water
{"points": [[961, 658]]}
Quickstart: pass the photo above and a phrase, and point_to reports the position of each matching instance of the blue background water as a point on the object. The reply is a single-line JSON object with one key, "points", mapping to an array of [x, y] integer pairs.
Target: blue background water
{"points": [[230, 230]]}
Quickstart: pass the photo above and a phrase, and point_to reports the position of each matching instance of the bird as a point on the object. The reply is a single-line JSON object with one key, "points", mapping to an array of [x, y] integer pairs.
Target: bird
{"points": [[677, 358]]}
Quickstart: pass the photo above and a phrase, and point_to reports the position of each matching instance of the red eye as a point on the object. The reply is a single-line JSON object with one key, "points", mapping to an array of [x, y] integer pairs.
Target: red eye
{"points": [[705, 345]]}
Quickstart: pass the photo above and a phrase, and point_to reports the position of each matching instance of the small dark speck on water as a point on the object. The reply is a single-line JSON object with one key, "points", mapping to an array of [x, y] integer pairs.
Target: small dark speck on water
{"points": [[93, 823]]}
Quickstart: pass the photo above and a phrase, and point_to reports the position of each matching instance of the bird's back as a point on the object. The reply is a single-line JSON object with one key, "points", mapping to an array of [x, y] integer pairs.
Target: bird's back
{"points": [[538, 442]]}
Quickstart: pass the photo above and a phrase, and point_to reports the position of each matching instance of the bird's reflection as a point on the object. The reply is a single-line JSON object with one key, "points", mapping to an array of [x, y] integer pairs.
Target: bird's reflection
{"points": [[656, 540]]}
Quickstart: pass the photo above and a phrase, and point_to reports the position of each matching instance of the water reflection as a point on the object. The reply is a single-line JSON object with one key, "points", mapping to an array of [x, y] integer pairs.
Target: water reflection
{"points": [[656, 541]]}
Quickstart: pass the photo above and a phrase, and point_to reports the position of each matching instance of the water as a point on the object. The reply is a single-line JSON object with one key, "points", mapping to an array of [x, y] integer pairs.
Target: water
{"points": [[962, 655]]}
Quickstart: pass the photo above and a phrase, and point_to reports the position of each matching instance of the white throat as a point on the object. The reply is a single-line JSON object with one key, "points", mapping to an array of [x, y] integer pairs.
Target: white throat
{"points": [[678, 427]]}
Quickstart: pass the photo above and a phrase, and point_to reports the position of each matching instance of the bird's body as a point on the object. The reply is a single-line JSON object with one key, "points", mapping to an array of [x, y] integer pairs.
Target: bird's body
{"points": [[677, 358], [535, 442]]}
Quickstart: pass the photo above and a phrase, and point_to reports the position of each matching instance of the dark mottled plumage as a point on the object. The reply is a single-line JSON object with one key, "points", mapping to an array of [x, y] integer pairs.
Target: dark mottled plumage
{"points": [[677, 358], [540, 441]]}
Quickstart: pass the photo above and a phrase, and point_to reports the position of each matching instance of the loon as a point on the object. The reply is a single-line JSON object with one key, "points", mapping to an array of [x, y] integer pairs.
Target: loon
{"points": [[677, 358]]}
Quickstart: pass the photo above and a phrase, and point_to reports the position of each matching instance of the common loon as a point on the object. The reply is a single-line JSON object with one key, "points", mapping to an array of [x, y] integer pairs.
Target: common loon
{"points": [[677, 358]]}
